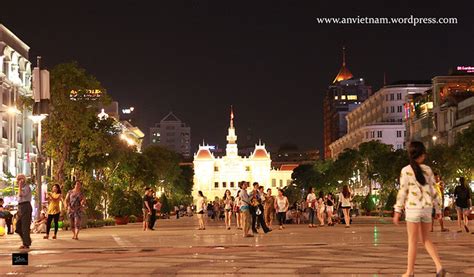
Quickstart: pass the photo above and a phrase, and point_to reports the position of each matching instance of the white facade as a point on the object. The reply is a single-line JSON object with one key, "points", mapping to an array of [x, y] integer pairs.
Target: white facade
{"points": [[381, 117], [17, 129], [214, 175], [173, 134]]}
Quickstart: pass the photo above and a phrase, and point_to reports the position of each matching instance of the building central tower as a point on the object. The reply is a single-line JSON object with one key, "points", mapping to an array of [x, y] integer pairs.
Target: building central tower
{"points": [[232, 149]]}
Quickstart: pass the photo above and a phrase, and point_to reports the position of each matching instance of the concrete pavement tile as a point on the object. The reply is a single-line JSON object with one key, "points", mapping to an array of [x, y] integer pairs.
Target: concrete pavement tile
{"points": [[68, 270]]}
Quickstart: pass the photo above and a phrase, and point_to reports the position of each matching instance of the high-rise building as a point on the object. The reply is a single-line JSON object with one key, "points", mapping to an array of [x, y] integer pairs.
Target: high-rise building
{"points": [[172, 134], [342, 96], [16, 133]]}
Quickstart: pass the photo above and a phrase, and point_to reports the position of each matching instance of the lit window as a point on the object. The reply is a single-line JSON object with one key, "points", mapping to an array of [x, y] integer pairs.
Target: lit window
{"points": [[343, 97], [335, 97], [351, 97]]}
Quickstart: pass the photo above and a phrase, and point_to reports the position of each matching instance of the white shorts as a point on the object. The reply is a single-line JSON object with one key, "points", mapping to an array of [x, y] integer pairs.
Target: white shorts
{"points": [[329, 209], [419, 215]]}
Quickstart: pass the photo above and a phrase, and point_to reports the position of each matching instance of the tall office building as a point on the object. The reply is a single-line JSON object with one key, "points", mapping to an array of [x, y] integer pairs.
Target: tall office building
{"points": [[172, 134], [343, 95]]}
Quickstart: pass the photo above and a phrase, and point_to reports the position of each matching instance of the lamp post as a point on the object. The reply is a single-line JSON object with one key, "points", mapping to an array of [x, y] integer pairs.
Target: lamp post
{"points": [[39, 162]]}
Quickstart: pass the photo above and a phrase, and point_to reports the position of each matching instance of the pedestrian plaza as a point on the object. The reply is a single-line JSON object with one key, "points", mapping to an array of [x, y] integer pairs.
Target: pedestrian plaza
{"points": [[373, 246]]}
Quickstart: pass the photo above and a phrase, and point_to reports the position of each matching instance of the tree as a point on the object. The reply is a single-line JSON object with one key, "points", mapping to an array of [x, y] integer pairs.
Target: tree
{"points": [[70, 131], [464, 150], [442, 158]]}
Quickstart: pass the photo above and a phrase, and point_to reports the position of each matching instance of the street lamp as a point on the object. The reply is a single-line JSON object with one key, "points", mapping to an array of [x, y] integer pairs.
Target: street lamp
{"points": [[37, 120]]}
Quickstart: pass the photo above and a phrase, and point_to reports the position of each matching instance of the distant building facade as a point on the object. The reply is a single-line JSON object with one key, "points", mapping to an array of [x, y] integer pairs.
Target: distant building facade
{"points": [[342, 96], [172, 134], [214, 175], [381, 117], [16, 133], [438, 115]]}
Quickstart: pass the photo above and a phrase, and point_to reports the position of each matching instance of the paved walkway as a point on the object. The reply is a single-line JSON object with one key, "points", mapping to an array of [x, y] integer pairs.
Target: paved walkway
{"points": [[372, 247]]}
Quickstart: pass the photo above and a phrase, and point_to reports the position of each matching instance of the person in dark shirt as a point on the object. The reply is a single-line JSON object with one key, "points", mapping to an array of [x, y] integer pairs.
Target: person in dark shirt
{"points": [[147, 208], [462, 195]]}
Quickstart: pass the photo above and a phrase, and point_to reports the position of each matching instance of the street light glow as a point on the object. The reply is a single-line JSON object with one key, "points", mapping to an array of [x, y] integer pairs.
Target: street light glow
{"points": [[13, 110], [37, 118]]}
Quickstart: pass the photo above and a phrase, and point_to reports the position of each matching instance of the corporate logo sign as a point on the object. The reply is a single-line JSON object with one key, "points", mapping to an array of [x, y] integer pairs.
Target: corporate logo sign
{"points": [[19, 258]]}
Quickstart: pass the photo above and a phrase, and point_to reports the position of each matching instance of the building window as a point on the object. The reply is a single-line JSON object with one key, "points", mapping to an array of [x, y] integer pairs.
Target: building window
{"points": [[379, 134], [392, 97], [274, 182], [399, 96], [216, 168], [343, 97], [351, 97], [405, 134], [366, 135], [247, 168], [386, 109], [399, 109], [281, 183], [224, 184], [386, 97], [372, 134], [399, 146], [392, 109], [399, 134], [216, 184], [232, 184]]}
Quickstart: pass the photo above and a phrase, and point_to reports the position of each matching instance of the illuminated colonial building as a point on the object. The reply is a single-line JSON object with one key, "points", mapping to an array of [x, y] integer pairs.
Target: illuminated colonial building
{"points": [[16, 130], [381, 117], [213, 175]]}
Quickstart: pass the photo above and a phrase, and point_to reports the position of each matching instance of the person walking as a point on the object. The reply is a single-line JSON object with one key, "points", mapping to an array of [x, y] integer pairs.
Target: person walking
{"points": [[54, 198], [281, 207], [418, 197], [245, 209], [462, 196], [200, 209], [311, 202], [256, 209], [330, 208], [75, 202], [439, 187], [24, 211], [238, 217], [345, 198], [269, 208], [228, 204], [321, 208]]}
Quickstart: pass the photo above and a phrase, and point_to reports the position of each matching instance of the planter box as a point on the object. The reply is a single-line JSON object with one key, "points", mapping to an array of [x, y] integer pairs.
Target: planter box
{"points": [[119, 220]]}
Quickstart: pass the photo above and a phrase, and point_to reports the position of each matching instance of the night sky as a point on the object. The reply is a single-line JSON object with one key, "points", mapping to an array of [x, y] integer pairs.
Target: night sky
{"points": [[270, 59]]}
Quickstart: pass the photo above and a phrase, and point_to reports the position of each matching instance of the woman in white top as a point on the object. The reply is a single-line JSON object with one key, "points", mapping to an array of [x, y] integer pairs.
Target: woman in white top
{"points": [[311, 201], [418, 197], [321, 208], [237, 204], [281, 207], [200, 208], [345, 198], [228, 205]]}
